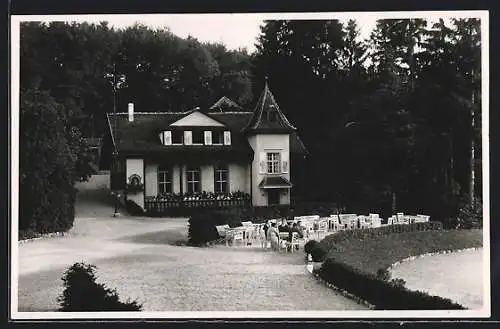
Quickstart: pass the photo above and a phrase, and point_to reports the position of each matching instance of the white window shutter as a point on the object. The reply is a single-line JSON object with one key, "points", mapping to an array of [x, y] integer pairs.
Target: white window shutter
{"points": [[188, 137], [284, 162], [208, 137], [263, 163], [162, 137], [227, 138], [167, 137]]}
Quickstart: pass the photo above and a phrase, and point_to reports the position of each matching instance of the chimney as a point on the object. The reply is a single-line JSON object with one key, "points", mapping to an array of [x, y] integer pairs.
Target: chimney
{"points": [[131, 112]]}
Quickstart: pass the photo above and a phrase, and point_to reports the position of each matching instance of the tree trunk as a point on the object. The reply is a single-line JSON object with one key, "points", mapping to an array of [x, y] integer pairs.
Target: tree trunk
{"points": [[472, 155], [394, 208]]}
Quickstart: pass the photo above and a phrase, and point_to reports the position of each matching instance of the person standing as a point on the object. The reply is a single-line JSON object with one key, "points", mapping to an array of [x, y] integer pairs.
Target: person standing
{"points": [[274, 236]]}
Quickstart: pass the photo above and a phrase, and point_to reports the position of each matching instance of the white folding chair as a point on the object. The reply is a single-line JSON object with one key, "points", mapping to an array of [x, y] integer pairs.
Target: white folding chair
{"points": [[294, 243], [282, 242]]}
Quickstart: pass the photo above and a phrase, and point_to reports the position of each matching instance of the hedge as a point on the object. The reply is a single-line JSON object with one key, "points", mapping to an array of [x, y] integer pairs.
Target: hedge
{"points": [[202, 226], [316, 249], [83, 294], [385, 295], [329, 241]]}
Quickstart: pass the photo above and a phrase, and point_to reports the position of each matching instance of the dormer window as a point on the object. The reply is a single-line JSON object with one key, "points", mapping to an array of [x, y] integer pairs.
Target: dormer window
{"points": [[166, 137], [217, 137], [227, 138], [177, 137], [198, 137]]}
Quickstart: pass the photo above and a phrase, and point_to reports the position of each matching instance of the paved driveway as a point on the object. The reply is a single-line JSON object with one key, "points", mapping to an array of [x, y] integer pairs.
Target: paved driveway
{"points": [[136, 256]]}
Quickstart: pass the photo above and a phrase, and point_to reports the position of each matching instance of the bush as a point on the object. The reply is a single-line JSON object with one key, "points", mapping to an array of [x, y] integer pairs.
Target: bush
{"points": [[383, 274], [308, 247], [202, 226], [471, 216], [133, 208], [329, 241], [48, 165], [316, 249], [83, 294], [202, 229], [318, 253], [384, 295]]}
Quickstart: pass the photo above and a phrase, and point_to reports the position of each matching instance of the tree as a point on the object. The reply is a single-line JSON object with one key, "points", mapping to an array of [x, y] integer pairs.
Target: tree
{"points": [[46, 166]]}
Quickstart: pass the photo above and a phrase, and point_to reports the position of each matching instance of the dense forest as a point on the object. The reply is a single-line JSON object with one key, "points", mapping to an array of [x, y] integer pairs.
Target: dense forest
{"points": [[391, 122]]}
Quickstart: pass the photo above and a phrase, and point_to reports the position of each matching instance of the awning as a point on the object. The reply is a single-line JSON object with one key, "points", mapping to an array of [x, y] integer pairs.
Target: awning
{"points": [[275, 182]]}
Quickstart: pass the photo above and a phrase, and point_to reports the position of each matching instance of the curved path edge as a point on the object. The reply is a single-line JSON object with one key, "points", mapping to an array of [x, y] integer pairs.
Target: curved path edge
{"points": [[436, 253], [442, 252], [345, 293]]}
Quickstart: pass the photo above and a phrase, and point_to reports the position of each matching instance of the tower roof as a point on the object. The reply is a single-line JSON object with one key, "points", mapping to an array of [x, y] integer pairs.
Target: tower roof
{"points": [[267, 116]]}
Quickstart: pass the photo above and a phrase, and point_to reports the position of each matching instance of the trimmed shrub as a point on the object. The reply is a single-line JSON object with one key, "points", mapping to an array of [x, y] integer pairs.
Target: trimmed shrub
{"points": [[202, 226], [308, 247], [202, 229], [318, 253], [383, 274], [316, 249], [83, 294], [329, 241], [384, 295]]}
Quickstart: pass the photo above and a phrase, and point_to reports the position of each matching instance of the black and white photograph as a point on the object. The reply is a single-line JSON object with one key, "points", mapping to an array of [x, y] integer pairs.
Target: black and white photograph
{"points": [[250, 165]]}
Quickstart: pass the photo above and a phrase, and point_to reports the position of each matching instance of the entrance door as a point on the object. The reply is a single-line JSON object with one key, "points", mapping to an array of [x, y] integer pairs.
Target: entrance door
{"points": [[273, 196]]}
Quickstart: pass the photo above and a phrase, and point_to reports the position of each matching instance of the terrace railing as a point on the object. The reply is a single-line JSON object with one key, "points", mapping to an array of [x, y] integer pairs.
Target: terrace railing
{"points": [[162, 206]]}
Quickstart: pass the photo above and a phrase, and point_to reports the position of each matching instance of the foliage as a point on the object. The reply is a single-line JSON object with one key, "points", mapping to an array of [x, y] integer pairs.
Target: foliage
{"points": [[385, 295], [316, 249], [202, 226], [471, 216], [46, 166], [389, 123], [83, 294], [383, 274], [376, 249], [133, 208], [308, 247]]}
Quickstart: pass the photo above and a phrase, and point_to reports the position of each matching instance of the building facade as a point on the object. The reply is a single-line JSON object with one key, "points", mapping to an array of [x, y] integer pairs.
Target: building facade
{"points": [[224, 153]]}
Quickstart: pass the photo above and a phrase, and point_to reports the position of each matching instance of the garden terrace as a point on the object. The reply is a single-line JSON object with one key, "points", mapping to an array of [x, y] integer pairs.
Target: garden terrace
{"points": [[168, 203]]}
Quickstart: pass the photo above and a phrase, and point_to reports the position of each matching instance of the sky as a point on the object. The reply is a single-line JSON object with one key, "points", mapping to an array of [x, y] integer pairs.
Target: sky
{"points": [[238, 30]]}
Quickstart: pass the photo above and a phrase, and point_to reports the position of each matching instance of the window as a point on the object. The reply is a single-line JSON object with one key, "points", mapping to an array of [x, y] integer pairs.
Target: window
{"points": [[218, 137], [221, 184], [164, 180], [198, 137], [273, 163], [193, 179], [227, 138], [177, 137]]}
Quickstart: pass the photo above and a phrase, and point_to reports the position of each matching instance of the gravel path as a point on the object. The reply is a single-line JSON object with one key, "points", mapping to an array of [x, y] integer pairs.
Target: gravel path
{"points": [[458, 276], [135, 256]]}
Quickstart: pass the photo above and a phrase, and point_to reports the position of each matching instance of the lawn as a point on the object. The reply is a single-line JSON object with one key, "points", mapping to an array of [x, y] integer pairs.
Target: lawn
{"points": [[370, 254]]}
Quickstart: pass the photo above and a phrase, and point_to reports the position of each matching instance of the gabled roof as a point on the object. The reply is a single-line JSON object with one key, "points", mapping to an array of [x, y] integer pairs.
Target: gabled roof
{"points": [[267, 116], [225, 103], [141, 135]]}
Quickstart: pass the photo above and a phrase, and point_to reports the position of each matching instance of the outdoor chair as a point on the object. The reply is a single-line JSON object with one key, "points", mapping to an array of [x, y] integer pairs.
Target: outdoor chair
{"points": [[282, 242], [294, 243], [222, 230], [238, 237]]}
